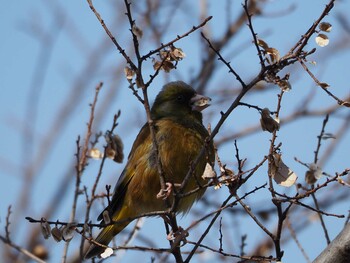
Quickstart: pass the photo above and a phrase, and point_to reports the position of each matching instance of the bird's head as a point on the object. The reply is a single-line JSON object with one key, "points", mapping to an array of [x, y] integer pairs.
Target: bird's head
{"points": [[178, 99]]}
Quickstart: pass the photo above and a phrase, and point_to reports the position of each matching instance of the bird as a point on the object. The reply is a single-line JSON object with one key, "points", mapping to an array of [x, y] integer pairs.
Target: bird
{"points": [[180, 136]]}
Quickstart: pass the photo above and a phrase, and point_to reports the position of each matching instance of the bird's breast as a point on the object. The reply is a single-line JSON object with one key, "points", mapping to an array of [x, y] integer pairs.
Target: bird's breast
{"points": [[178, 147]]}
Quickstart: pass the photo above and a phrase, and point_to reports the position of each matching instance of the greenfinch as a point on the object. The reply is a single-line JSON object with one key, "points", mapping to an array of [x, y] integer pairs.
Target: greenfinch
{"points": [[180, 136]]}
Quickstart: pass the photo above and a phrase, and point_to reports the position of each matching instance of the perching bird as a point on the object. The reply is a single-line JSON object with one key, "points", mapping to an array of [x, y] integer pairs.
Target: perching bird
{"points": [[180, 135]]}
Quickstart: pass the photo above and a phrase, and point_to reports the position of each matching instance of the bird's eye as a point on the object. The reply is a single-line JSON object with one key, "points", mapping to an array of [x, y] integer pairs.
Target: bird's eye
{"points": [[180, 98]]}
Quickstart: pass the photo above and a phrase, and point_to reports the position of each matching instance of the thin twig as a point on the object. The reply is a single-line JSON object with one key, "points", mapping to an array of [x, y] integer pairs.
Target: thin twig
{"points": [[115, 42], [323, 224], [321, 85], [297, 49], [196, 245], [162, 46], [22, 250], [216, 214], [319, 138], [97, 179], [316, 210], [82, 162], [231, 70], [257, 221], [250, 25], [7, 240], [245, 258]]}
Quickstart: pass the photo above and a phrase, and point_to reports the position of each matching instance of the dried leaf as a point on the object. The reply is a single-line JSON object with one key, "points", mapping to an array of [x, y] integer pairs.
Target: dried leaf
{"points": [[323, 85], [208, 172], [165, 55], [328, 135], [325, 26], [262, 44], [281, 173], [274, 54], [177, 54], [156, 64], [267, 122], [346, 104], [167, 66], [322, 40]]}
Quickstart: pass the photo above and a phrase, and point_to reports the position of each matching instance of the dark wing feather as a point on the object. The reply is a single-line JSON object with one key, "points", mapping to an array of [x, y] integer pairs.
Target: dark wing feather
{"points": [[126, 176]]}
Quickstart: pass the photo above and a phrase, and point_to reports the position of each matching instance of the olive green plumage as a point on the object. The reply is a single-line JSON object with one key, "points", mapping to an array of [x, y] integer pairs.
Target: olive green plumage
{"points": [[180, 136]]}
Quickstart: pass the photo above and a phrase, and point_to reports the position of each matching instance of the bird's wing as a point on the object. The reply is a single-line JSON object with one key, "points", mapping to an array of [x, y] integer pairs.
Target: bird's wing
{"points": [[126, 176]]}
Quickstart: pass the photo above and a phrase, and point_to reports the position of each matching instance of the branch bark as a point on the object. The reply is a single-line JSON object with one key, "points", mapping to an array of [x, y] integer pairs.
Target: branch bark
{"points": [[338, 251]]}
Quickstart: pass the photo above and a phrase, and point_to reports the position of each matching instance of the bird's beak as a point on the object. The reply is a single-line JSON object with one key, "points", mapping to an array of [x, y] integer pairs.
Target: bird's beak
{"points": [[199, 102]]}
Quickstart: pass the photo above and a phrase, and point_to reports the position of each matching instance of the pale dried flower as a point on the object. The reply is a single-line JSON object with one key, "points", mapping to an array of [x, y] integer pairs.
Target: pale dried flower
{"points": [[107, 253], [95, 154]]}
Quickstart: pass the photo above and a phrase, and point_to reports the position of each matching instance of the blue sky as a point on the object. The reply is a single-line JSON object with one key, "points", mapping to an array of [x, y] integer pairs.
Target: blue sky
{"points": [[81, 55]]}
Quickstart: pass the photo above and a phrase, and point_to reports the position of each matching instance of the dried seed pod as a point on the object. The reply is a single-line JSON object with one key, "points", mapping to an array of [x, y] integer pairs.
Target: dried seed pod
{"points": [[68, 232], [325, 26], [313, 174], [322, 40], [45, 228], [56, 234], [137, 31], [129, 73], [106, 217], [115, 147], [267, 122], [284, 85]]}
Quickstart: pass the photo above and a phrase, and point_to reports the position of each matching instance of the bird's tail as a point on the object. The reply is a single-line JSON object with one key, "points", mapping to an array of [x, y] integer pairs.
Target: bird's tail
{"points": [[104, 237]]}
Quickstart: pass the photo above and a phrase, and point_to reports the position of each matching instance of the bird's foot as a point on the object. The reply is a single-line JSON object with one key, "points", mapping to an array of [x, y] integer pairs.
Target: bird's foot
{"points": [[165, 193], [178, 236]]}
